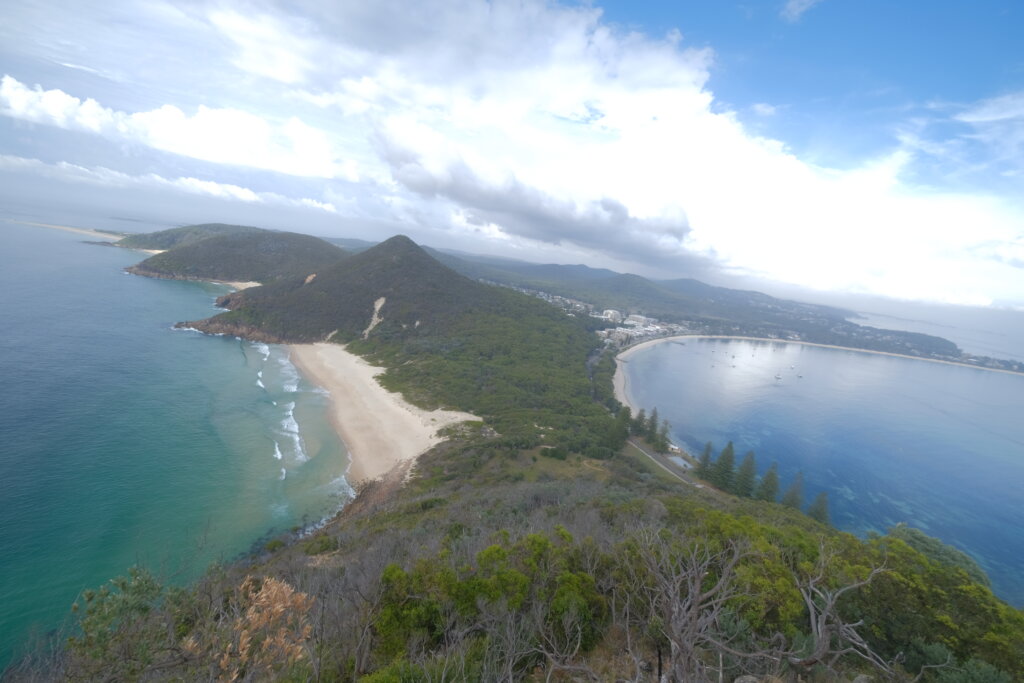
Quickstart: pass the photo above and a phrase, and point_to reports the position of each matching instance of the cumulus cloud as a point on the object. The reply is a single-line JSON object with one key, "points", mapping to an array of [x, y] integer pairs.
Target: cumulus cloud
{"points": [[527, 124], [105, 177], [226, 136]]}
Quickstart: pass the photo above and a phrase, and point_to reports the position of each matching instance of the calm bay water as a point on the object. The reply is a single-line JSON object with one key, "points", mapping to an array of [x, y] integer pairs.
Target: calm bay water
{"points": [[890, 439], [125, 442]]}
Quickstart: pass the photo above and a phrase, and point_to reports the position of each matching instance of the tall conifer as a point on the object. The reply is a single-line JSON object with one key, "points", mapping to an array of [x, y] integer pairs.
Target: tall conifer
{"points": [[703, 469], [819, 508], [724, 469], [768, 489], [746, 476], [794, 495]]}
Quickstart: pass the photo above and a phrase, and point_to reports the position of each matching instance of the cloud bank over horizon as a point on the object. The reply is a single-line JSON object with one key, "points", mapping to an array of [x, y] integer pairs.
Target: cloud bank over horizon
{"points": [[529, 129]]}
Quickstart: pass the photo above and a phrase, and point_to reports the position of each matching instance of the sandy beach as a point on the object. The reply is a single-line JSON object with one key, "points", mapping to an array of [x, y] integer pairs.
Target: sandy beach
{"points": [[379, 428], [236, 284]]}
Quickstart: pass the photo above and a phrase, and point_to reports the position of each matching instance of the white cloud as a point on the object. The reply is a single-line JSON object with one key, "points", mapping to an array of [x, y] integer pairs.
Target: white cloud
{"points": [[105, 177], [223, 135], [264, 45], [1005, 108], [527, 124], [794, 9]]}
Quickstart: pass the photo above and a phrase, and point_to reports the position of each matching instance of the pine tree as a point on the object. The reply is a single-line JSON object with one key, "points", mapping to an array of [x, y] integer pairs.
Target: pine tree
{"points": [[794, 495], [819, 508], [703, 469], [724, 470], [768, 489], [661, 440], [651, 429], [623, 425], [639, 423], [746, 476]]}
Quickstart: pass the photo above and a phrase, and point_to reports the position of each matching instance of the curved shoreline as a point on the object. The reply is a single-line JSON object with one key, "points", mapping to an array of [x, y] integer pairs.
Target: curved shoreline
{"points": [[379, 428], [620, 385], [619, 380]]}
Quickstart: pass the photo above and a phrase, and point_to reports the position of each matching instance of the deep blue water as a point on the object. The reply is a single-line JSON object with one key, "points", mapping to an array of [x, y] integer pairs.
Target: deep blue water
{"points": [[123, 441], [891, 440]]}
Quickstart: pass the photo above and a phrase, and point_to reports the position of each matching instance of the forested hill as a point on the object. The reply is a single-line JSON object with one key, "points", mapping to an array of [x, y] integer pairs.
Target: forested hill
{"points": [[250, 255], [418, 297], [512, 359], [179, 237]]}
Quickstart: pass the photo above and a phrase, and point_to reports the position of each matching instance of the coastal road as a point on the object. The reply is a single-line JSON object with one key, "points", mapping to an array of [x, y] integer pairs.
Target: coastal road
{"points": [[662, 465]]}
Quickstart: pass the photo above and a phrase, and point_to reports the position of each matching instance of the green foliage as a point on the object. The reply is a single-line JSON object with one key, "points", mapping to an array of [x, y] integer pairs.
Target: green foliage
{"points": [[818, 509], [660, 441], [794, 495], [321, 543], [259, 256], [724, 470], [179, 237], [650, 431], [118, 635], [746, 477], [639, 425], [703, 468], [768, 488], [937, 551], [974, 671]]}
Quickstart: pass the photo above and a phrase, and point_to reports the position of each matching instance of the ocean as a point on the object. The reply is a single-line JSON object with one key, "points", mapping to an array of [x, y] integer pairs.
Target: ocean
{"points": [[124, 441], [940, 447]]}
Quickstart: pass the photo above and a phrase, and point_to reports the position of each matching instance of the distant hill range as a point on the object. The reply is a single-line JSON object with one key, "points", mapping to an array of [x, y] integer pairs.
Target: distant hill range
{"points": [[314, 290]]}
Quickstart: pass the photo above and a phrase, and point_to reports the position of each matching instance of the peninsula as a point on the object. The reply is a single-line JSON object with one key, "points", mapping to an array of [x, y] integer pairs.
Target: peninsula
{"points": [[531, 541]]}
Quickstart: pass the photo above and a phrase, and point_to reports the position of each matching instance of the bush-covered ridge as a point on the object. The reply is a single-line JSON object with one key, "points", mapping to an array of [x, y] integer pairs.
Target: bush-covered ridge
{"points": [[189, 234], [501, 564], [260, 256]]}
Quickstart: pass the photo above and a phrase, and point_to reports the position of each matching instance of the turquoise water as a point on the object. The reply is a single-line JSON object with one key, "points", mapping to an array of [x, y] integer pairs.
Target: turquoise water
{"points": [[123, 441], [890, 439]]}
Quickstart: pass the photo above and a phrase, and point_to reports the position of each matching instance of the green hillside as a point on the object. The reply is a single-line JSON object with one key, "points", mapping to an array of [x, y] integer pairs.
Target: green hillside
{"points": [[540, 544], [446, 340], [421, 297], [190, 234], [257, 255]]}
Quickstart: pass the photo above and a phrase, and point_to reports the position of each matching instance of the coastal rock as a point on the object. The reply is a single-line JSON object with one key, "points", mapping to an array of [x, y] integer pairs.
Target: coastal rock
{"points": [[231, 329]]}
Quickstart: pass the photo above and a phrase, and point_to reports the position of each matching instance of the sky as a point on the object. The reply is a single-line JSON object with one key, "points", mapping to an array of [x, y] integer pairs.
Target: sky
{"points": [[855, 146]]}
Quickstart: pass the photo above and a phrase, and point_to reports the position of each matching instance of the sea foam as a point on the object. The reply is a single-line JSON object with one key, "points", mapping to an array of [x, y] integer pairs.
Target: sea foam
{"points": [[289, 376], [290, 427]]}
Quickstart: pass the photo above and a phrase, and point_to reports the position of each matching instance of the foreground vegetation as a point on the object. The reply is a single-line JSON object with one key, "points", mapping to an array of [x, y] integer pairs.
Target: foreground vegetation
{"points": [[501, 564], [535, 545]]}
